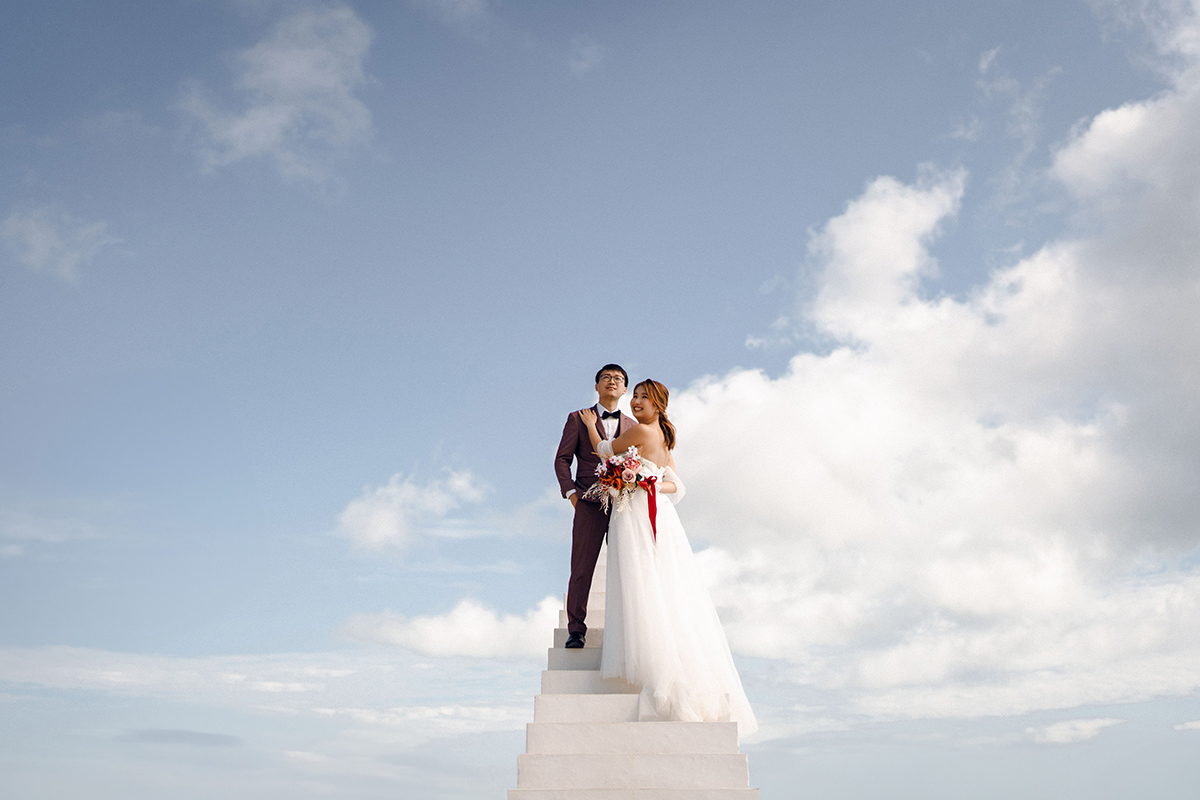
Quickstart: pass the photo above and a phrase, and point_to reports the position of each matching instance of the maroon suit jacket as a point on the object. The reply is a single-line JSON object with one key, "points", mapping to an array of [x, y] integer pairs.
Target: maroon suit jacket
{"points": [[577, 445]]}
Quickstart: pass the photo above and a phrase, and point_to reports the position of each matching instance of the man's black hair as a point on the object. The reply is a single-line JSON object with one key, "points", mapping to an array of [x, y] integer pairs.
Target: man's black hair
{"points": [[613, 368]]}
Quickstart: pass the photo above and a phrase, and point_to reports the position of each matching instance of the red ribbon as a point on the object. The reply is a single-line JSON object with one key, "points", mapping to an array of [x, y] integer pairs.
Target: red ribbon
{"points": [[653, 479]]}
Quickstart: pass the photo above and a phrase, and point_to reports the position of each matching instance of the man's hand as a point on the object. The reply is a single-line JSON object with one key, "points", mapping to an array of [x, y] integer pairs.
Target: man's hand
{"points": [[574, 498]]}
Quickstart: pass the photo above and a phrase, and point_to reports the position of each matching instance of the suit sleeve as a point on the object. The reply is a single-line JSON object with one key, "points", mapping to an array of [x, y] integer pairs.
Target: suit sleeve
{"points": [[566, 453]]}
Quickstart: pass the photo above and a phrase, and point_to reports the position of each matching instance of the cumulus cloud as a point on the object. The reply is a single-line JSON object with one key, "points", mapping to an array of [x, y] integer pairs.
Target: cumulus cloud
{"points": [[53, 242], [985, 504], [392, 514], [1194, 725], [298, 96], [469, 629], [1071, 730]]}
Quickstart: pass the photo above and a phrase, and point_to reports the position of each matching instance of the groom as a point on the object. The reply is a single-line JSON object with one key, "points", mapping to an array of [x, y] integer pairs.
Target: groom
{"points": [[591, 521]]}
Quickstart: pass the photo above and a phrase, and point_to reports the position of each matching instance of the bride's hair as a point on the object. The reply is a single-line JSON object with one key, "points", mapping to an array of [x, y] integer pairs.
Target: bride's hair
{"points": [[659, 395]]}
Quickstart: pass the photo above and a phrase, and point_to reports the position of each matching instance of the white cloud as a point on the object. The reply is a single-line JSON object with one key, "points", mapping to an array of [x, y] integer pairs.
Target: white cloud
{"points": [[298, 96], [981, 505], [469, 629], [1071, 730], [54, 242], [1194, 725], [586, 55], [392, 514]]}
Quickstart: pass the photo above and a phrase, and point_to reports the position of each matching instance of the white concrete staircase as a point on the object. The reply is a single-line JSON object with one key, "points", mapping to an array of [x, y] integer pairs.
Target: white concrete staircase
{"points": [[585, 742]]}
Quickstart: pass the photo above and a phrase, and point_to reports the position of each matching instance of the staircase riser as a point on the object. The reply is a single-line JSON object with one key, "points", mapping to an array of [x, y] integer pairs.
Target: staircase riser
{"points": [[585, 708], [594, 637], [583, 682], [586, 742], [643, 771], [633, 794], [583, 658], [631, 737], [594, 619]]}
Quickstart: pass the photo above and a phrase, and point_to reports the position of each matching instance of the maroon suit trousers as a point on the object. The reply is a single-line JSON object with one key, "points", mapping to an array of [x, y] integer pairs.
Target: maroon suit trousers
{"points": [[587, 536]]}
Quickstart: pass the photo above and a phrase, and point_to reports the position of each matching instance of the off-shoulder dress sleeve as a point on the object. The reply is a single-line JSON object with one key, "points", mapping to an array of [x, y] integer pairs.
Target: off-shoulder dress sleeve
{"points": [[680, 490]]}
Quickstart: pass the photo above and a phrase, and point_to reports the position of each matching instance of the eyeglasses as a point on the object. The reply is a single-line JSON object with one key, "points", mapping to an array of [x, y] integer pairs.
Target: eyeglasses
{"points": [[607, 378]]}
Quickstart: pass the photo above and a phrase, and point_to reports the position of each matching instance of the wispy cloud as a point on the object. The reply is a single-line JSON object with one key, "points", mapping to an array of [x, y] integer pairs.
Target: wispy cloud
{"points": [[20, 530], [585, 56], [53, 242], [190, 738], [987, 59], [1071, 730], [425, 698], [1022, 123], [454, 12], [299, 106], [393, 514]]}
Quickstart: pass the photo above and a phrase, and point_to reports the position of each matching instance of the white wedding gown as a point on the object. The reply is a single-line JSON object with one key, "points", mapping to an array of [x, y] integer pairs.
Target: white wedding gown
{"points": [[661, 630]]}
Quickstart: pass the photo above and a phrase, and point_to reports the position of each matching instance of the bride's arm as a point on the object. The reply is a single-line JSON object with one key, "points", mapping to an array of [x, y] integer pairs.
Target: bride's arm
{"points": [[588, 416], [634, 437], [671, 477]]}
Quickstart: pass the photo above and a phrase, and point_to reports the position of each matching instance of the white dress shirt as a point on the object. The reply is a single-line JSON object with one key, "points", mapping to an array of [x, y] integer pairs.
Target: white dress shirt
{"points": [[610, 424]]}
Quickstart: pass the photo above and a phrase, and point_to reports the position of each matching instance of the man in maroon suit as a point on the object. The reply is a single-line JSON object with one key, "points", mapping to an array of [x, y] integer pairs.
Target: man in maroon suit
{"points": [[591, 521]]}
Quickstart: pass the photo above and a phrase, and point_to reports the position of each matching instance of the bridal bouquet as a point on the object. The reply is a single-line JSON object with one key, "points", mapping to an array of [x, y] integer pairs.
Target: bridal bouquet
{"points": [[618, 477]]}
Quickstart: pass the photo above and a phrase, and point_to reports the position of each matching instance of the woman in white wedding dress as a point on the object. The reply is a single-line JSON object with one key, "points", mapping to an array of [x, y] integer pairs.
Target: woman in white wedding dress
{"points": [[661, 631]]}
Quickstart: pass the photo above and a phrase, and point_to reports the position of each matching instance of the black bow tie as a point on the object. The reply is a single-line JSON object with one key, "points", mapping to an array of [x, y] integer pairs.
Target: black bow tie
{"points": [[609, 414]]}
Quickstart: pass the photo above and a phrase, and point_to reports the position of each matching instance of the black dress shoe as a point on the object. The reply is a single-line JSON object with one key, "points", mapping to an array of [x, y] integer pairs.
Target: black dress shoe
{"points": [[574, 641]]}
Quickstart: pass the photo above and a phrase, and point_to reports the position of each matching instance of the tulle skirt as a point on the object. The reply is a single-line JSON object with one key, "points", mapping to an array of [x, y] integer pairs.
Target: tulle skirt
{"points": [[661, 630]]}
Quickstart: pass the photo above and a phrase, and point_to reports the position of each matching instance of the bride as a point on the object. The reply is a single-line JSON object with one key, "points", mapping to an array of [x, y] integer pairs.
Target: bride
{"points": [[661, 629]]}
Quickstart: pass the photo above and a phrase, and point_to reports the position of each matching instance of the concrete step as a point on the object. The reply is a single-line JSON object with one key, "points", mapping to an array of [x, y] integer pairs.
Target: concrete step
{"points": [[594, 638], [584, 708], [582, 658], [583, 681], [633, 794], [633, 771], [558, 738]]}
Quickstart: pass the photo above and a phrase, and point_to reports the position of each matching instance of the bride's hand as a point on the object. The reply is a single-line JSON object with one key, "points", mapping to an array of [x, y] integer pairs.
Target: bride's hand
{"points": [[588, 415]]}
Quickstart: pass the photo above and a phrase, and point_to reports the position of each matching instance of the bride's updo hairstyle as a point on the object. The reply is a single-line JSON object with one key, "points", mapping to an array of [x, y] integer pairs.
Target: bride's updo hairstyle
{"points": [[659, 395]]}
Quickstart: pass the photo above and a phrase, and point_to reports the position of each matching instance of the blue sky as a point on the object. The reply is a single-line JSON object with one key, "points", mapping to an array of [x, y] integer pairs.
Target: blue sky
{"points": [[294, 298]]}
